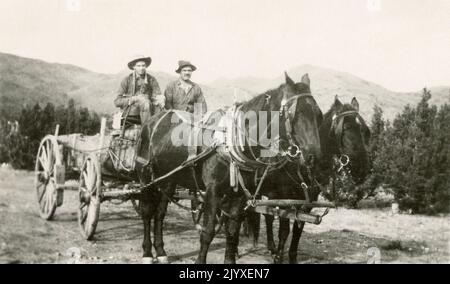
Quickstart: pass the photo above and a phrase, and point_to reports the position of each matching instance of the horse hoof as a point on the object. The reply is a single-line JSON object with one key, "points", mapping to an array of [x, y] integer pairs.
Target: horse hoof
{"points": [[277, 260], [162, 259], [197, 261], [147, 260]]}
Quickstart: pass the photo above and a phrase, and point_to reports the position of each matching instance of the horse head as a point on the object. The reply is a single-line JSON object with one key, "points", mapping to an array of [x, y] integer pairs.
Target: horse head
{"points": [[345, 139], [300, 110]]}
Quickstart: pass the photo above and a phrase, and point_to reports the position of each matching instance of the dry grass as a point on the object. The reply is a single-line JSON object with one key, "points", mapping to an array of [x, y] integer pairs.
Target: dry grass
{"points": [[345, 236]]}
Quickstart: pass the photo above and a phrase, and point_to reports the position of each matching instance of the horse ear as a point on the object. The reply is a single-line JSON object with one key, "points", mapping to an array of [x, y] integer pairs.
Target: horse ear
{"points": [[289, 81], [305, 79], [355, 104], [337, 102]]}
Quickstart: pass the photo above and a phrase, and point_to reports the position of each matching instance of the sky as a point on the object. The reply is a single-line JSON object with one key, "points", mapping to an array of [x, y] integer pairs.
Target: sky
{"points": [[400, 44]]}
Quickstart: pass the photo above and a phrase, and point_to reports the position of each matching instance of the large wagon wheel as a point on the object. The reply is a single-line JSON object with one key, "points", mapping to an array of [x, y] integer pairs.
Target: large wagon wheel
{"points": [[48, 157], [89, 196], [197, 210]]}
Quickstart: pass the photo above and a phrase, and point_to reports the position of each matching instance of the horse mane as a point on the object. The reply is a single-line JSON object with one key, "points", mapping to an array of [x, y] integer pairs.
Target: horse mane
{"points": [[257, 102]]}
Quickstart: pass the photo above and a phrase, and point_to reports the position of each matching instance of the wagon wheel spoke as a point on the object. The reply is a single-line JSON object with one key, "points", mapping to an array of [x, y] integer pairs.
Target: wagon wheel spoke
{"points": [[84, 217], [39, 177], [82, 205], [89, 178], [43, 164], [49, 156], [46, 203], [42, 194], [42, 204], [51, 152], [86, 181], [45, 158]]}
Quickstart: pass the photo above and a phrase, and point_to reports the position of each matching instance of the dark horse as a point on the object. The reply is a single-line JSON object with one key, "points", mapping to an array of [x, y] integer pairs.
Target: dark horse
{"points": [[344, 136], [158, 155]]}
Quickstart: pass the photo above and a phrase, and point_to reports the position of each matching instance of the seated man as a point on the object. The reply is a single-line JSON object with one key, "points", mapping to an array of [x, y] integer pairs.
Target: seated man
{"points": [[139, 92], [183, 94]]}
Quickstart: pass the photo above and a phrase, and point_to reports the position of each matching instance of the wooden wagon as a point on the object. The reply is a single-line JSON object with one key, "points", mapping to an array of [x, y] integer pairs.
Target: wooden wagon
{"points": [[63, 158], [73, 162]]}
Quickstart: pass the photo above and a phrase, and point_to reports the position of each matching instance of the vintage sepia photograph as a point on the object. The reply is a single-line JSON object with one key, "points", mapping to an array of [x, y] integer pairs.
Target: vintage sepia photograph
{"points": [[224, 132]]}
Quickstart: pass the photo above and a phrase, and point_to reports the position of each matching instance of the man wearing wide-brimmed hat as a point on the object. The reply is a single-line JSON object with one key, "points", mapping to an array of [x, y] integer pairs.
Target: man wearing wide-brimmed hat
{"points": [[183, 94], [140, 92]]}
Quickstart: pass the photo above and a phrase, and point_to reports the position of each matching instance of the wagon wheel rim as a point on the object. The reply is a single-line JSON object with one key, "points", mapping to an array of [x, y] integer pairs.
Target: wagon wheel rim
{"points": [[47, 158], [89, 194]]}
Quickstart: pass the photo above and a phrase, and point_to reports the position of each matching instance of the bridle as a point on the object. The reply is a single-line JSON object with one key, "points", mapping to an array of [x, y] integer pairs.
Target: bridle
{"points": [[337, 129], [286, 111], [294, 150]]}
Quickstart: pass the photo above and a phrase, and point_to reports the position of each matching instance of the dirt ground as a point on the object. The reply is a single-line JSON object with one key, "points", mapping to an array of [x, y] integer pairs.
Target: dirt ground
{"points": [[345, 236]]}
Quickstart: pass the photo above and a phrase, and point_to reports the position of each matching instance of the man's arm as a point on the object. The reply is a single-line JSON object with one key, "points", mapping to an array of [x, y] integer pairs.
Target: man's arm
{"points": [[201, 100], [168, 94], [122, 99], [156, 97]]}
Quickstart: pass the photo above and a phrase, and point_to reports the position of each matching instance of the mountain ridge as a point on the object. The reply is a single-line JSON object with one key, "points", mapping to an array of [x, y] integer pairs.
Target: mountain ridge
{"points": [[29, 81]]}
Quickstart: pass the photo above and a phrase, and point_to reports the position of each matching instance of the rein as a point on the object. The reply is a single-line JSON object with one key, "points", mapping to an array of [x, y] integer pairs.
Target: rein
{"points": [[238, 159], [234, 148], [255, 162], [341, 161]]}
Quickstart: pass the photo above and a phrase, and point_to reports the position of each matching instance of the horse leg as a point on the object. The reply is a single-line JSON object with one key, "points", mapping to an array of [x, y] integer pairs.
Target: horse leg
{"points": [[147, 213], [209, 222], [232, 228], [253, 225], [161, 210], [283, 233], [296, 234], [269, 228]]}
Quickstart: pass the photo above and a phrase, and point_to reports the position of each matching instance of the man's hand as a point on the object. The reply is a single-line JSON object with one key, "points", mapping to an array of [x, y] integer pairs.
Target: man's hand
{"points": [[137, 99], [160, 101]]}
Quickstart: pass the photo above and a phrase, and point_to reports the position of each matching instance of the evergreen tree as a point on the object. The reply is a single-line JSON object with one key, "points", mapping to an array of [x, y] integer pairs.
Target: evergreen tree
{"points": [[413, 158], [48, 118], [61, 119], [72, 125]]}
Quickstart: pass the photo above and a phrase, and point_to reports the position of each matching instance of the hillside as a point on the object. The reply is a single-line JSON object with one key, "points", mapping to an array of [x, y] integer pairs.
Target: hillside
{"points": [[27, 81], [326, 83]]}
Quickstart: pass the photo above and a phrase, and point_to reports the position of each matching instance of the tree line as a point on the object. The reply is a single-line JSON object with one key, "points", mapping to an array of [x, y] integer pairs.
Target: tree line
{"points": [[18, 147], [410, 156]]}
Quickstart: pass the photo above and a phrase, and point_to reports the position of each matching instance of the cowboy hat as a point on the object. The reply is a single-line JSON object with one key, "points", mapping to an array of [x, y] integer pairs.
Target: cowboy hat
{"points": [[137, 58], [183, 63]]}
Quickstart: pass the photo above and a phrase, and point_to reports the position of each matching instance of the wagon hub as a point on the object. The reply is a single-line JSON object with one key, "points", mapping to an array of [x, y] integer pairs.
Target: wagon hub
{"points": [[85, 197]]}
